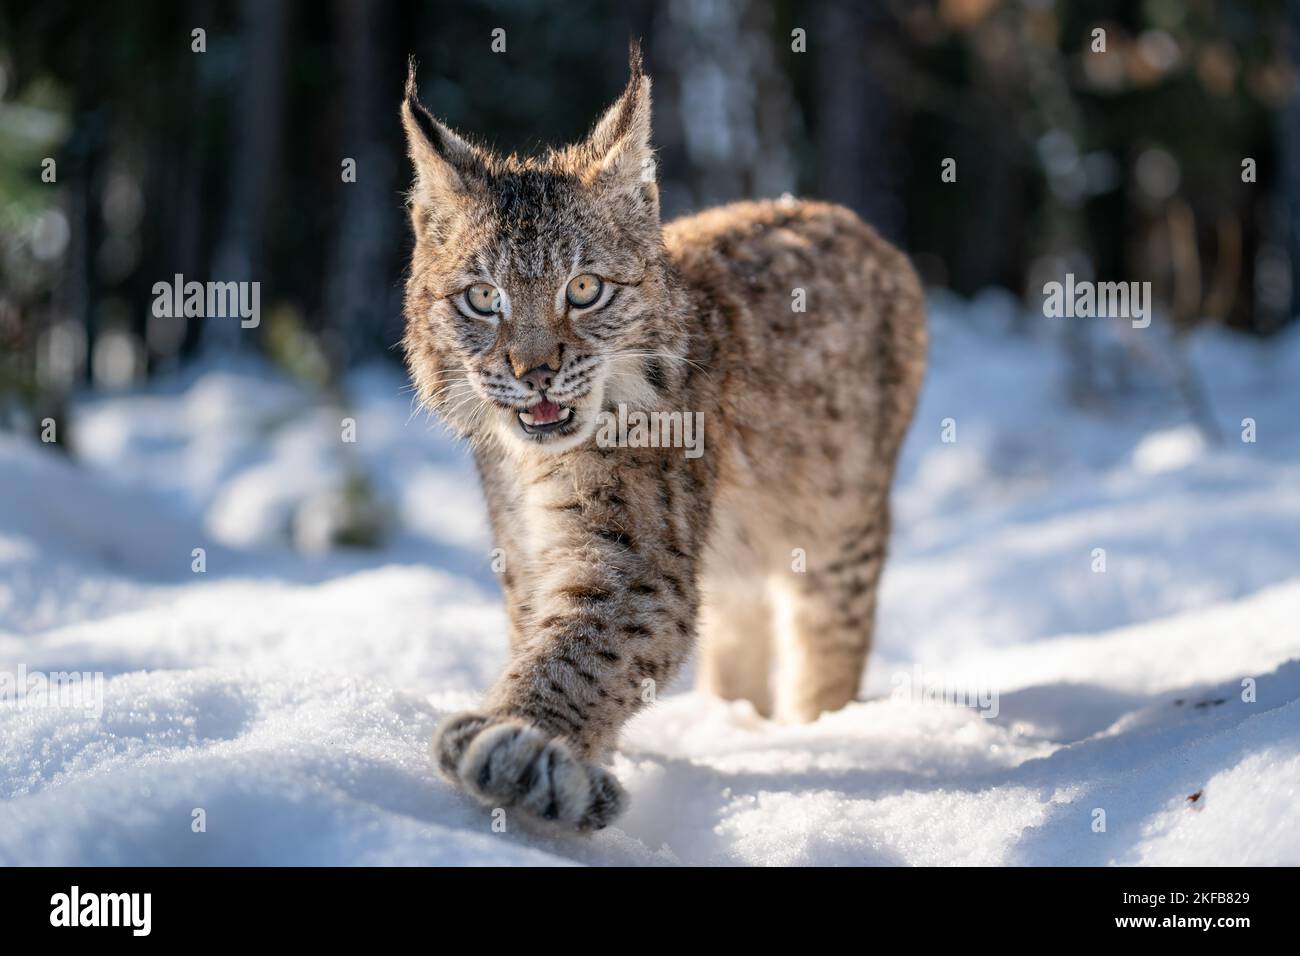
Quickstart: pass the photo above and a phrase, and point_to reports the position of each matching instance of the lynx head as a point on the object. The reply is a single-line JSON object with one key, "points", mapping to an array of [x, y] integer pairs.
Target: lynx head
{"points": [[539, 287]]}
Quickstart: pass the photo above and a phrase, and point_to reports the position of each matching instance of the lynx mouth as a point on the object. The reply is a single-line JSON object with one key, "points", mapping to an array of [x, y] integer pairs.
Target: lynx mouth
{"points": [[545, 417]]}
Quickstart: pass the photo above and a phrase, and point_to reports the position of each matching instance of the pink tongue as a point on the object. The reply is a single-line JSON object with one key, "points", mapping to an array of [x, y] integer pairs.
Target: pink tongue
{"points": [[544, 413]]}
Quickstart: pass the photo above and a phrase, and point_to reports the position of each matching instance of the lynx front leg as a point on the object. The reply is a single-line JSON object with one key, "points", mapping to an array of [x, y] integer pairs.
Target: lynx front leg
{"points": [[613, 595]]}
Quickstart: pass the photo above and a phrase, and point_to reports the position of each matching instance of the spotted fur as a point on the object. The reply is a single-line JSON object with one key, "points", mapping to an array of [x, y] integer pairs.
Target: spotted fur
{"points": [[616, 557]]}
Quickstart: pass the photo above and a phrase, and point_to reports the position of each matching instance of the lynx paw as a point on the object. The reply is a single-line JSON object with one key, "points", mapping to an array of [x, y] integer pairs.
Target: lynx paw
{"points": [[511, 763]]}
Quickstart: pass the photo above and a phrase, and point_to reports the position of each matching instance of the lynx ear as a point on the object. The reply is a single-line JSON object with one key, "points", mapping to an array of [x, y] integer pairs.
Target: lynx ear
{"points": [[618, 154], [447, 169]]}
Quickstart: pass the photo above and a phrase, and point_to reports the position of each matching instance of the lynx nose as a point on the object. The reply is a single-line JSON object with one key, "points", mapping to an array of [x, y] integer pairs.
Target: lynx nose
{"points": [[539, 378]]}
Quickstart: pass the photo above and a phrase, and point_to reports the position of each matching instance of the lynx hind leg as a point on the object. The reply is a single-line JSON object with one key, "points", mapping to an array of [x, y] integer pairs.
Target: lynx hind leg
{"points": [[825, 619], [736, 642], [510, 763]]}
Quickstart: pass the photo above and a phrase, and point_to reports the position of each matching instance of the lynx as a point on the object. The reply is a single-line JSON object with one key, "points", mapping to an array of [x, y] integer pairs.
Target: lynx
{"points": [[544, 294]]}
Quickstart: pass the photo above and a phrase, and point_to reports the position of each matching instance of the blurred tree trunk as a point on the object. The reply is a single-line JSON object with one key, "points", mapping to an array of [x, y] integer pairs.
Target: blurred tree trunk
{"points": [[736, 110], [1270, 312], [174, 182], [360, 307], [257, 123], [856, 160], [991, 226], [85, 149]]}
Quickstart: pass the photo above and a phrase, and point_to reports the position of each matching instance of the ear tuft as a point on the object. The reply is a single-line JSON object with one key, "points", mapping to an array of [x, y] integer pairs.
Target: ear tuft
{"points": [[410, 91], [447, 168], [617, 153], [634, 67]]}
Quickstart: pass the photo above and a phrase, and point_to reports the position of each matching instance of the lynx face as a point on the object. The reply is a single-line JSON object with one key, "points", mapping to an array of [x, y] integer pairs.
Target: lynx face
{"points": [[536, 285]]}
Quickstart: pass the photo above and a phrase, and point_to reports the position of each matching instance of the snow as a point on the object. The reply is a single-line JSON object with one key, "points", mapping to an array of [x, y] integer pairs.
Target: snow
{"points": [[284, 696]]}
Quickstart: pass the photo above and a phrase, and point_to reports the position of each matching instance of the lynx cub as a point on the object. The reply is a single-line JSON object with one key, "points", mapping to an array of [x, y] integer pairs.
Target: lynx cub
{"points": [[544, 294]]}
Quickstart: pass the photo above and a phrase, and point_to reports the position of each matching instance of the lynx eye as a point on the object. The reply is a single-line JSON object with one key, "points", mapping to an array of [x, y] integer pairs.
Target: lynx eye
{"points": [[483, 298], [583, 290]]}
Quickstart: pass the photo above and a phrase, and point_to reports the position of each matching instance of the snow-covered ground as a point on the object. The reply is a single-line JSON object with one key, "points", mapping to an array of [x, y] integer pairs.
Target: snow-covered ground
{"points": [[283, 697]]}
